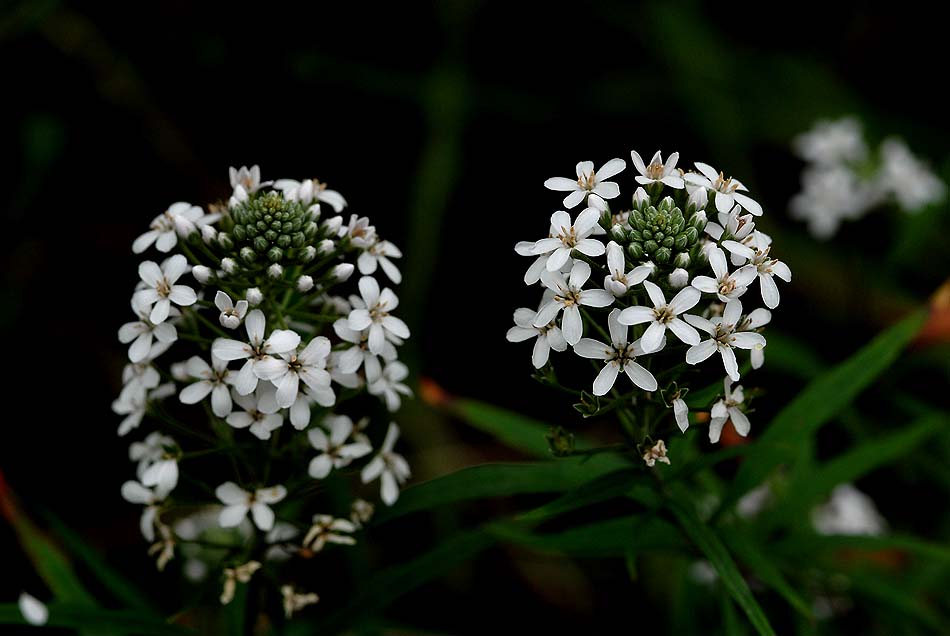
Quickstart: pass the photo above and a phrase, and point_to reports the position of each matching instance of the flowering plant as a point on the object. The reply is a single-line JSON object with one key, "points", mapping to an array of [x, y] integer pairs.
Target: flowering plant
{"points": [[652, 289], [262, 373]]}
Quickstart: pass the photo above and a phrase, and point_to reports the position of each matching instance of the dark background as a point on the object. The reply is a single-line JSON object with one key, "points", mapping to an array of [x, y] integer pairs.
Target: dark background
{"points": [[440, 122]]}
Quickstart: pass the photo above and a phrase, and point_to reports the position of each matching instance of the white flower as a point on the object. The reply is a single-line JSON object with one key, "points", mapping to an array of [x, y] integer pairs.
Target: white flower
{"points": [[135, 405], [255, 350], [348, 380], [767, 268], [663, 316], [755, 320], [291, 367], [359, 231], [378, 254], [162, 474], [569, 295], [261, 412], [724, 338], [657, 453], [375, 315], [295, 601], [247, 179], [389, 384], [300, 409], [831, 142], [149, 450], [231, 314], [848, 512], [134, 492], [728, 408], [681, 413], [617, 282], [548, 336], [657, 171], [588, 182], [238, 502], [728, 286], [618, 355], [361, 511], [326, 529], [567, 237], [214, 379], [334, 451], [359, 355], [390, 467], [309, 190], [732, 226], [831, 194], [526, 248], [160, 290], [232, 576], [728, 191], [142, 332], [139, 377], [180, 219], [903, 175], [34, 612]]}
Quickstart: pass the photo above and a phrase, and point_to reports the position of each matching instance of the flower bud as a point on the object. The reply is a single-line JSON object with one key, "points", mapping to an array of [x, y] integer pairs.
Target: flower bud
{"points": [[640, 198], [333, 224], [698, 221], [678, 278], [275, 270], [201, 273], [254, 296], [663, 255], [229, 265], [179, 371], [248, 255], [325, 247], [699, 198], [225, 241], [314, 211], [617, 233], [305, 283], [308, 254], [208, 234], [682, 260], [343, 271]]}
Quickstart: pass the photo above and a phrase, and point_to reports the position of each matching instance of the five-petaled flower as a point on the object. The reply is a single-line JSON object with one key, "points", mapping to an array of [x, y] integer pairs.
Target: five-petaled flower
{"points": [[569, 296], [589, 183], [619, 356]]}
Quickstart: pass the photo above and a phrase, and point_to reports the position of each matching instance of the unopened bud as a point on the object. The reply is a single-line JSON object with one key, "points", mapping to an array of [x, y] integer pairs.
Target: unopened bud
{"points": [[682, 260], [229, 265], [640, 198], [304, 283], [201, 273], [678, 278], [179, 371], [254, 296], [333, 224], [275, 271], [343, 271], [699, 198], [308, 254], [325, 247], [617, 233], [208, 234]]}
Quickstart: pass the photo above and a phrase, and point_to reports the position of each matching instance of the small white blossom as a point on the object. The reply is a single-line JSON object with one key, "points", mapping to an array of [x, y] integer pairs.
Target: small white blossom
{"points": [[390, 467], [375, 315], [326, 529], [359, 355], [756, 319], [378, 254], [663, 316], [724, 338], [160, 290], [830, 195], [681, 413], [547, 337], [310, 190], [569, 295], [238, 502], [830, 142], [295, 601], [249, 179], [34, 612], [848, 512], [334, 451], [728, 191], [657, 453], [133, 407], [728, 286], [180, 219], [657, 171], [617, 282], [231, 314], [291, 367], [214, 379], [389, 385], [618, 355], [134, 492], [907, 178], [588, 183], [728, 408], [142, 332], [275, 271], [255, 351], [233, 576], [261, 414], [567, 237]]}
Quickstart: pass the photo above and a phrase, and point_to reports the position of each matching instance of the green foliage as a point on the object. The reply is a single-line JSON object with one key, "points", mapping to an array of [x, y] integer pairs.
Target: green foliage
{"points": [[97, 621]]}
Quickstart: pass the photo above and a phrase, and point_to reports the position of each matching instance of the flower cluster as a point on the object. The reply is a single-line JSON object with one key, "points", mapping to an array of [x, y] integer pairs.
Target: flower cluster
{"points": [[261, 364], [843, 180], [648, 288]]}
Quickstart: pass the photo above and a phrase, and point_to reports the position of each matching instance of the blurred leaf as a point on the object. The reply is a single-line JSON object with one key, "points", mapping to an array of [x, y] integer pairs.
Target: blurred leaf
{"points": [[761, 565], [710, 545], [494, 480], [98, 621], [820, 401], [602, 488], [612, 538], [382, 589], [235, 612], [810, 489], [880, 590], [812, 544], [121, 587]]}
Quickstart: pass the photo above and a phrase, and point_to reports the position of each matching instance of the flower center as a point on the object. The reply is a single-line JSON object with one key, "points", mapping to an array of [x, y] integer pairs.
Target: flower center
{"points": [[569, 297], [163, 288], [568, 236], [655, 170], [587, 181], [664, 314], [727, 285], [726, 186]]}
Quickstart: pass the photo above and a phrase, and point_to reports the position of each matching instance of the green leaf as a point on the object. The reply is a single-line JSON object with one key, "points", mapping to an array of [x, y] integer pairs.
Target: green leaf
{"points": [[385, 587], [799, 545], [495, 480], [761, 565], [603, 488], [612, 538], [121, 587], [710, 545], [511, 429], [95, 620], [819, 402], [812, 488], [882, 592]]}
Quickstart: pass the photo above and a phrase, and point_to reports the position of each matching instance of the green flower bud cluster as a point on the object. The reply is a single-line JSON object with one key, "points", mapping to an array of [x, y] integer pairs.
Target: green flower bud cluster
{"points": [[662, 234], [268, 228]]}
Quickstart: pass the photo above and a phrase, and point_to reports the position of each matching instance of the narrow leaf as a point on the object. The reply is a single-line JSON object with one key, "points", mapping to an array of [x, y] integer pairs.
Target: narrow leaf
{"points": [[95, 620], [763, 567]]}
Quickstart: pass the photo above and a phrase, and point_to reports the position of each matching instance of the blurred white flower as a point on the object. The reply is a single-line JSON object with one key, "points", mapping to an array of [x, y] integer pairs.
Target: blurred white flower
{"points": [[238, 502], [389, 467], [334, 450], [728, 408], [34, 612], [848, 512]]}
